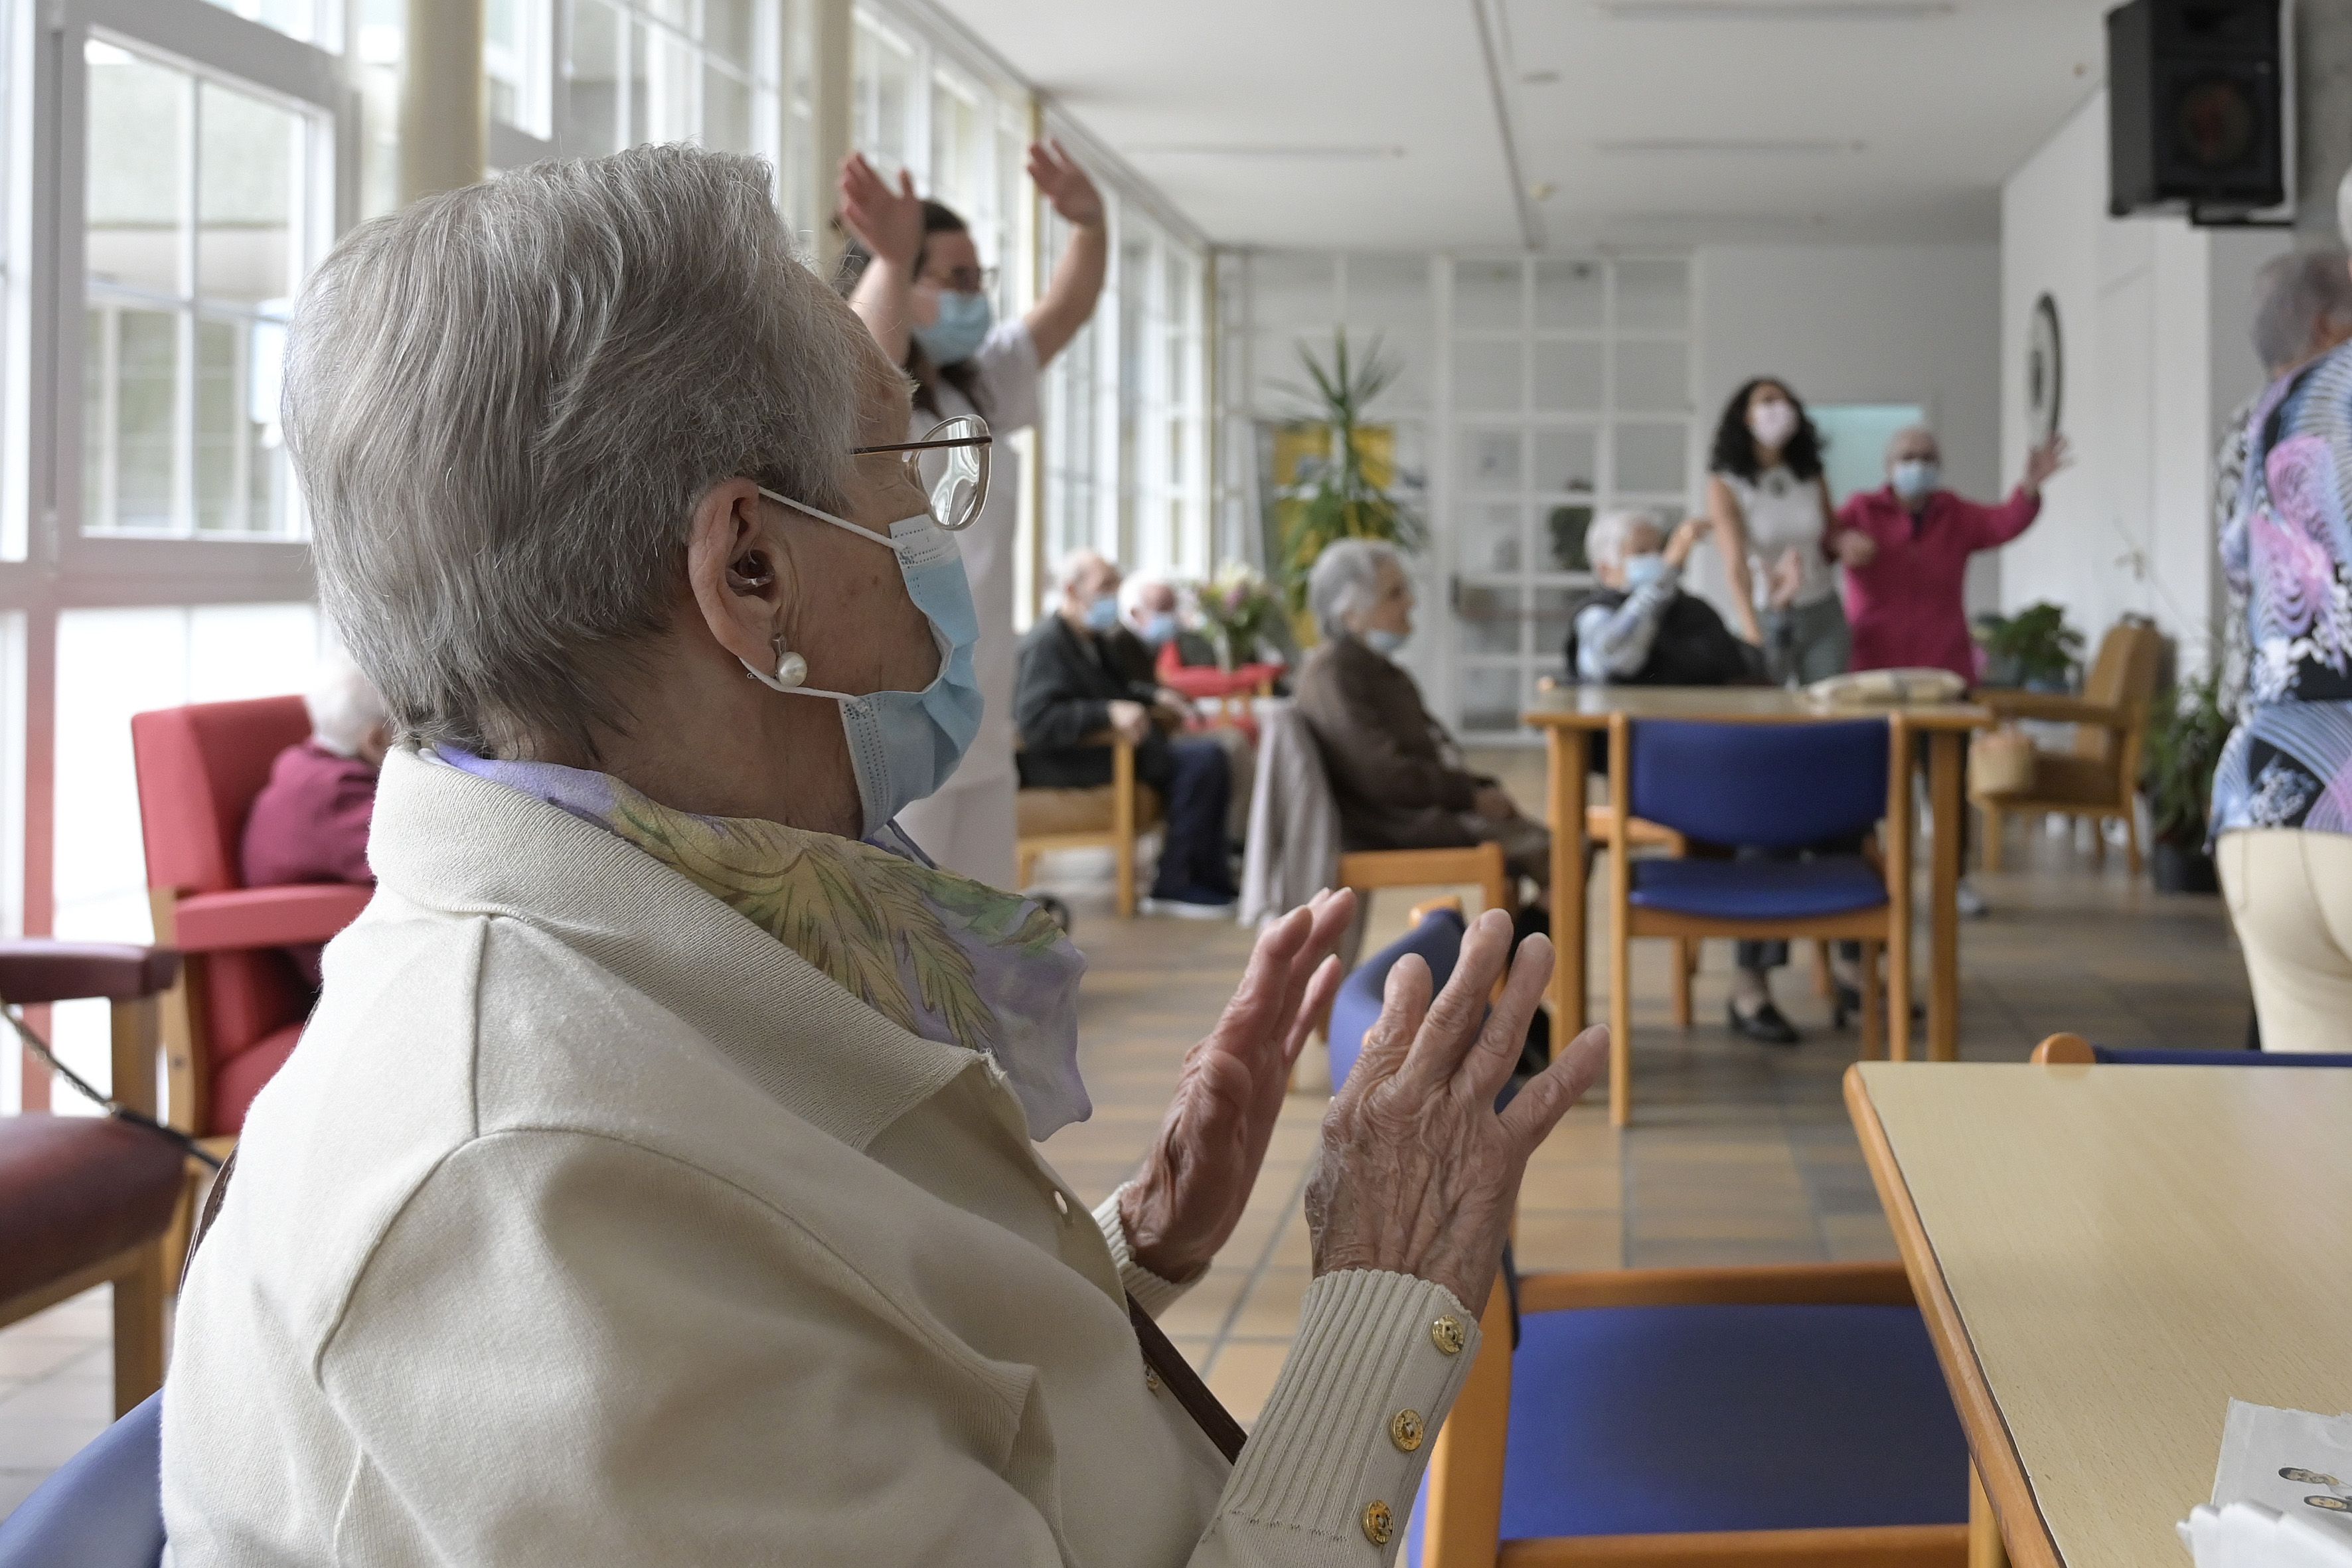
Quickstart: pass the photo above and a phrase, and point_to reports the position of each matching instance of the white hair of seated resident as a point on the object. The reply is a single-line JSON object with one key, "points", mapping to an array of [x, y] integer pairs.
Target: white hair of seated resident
{"points": [[2296, 296], [1073, 566], [1131, 592], [344, 708], [1345, 581], [1607, 541]]}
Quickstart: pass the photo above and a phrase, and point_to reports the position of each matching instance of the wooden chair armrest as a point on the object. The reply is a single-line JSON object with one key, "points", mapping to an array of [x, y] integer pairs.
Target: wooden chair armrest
{"points": [[1796, 1284], [36, 969], [2070, 1050], [2056, 708]]}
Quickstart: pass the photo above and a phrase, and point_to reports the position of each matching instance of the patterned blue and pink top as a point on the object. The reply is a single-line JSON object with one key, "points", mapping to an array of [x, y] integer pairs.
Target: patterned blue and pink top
{"points": [[2288, 550]]}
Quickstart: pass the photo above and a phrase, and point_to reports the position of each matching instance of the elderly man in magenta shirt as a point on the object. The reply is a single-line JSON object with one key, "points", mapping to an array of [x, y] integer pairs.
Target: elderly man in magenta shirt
{"points": [[1906, 549]]}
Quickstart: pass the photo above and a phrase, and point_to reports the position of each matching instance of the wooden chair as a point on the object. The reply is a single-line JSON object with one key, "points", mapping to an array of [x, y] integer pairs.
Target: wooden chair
{"points": [[88, 1200], [2073, 1050], [1105, 816], [1700, 1417], [1791, 786], [2099, 777]]}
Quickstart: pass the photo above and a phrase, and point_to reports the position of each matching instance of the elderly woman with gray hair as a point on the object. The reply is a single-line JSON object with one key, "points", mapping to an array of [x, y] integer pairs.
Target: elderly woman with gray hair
{"points": [[655, 1182], [1395, 773]]}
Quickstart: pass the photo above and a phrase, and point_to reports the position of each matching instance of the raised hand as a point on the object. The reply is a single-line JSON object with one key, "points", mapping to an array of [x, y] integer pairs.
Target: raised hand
{"points": [[1065, 185], [1687, 536], [1419, 1174], [1855, 547], [2046, 459], [888, 223], [1184, 1206]]}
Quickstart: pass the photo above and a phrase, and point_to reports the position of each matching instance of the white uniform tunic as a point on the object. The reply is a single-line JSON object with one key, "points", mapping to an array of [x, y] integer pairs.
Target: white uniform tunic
{"points": [[967, 827]]}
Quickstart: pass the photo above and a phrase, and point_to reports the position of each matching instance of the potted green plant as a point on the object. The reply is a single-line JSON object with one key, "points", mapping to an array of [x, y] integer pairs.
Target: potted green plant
{"points": [[2035, 648], [2186, 729], [1342, 499]]}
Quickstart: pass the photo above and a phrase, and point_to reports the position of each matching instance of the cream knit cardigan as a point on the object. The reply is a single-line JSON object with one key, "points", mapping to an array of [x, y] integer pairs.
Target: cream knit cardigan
{"points": [[590, 1225]]}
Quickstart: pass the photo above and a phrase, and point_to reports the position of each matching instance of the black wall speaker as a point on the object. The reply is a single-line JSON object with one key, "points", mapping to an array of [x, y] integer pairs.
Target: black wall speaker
{"points": [[2196, 119]]}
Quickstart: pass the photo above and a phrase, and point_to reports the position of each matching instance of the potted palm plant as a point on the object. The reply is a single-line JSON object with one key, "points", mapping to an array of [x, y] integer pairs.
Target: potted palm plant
{"points": [[2186, 729], [1344, 497]]}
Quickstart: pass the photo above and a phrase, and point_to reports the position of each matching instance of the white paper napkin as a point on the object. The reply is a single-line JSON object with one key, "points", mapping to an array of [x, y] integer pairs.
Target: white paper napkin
{"points": [[2282, 1492]]}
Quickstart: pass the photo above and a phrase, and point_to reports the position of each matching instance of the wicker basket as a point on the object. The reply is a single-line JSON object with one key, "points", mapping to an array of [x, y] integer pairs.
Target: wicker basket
{"points": [[2001, 762]]}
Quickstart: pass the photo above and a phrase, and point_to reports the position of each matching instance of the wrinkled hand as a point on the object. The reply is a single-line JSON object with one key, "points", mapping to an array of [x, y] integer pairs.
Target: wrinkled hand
{"points": [[1856, 549], [1494, 802], [1687, 538], [1132, 721], [1065, 185], [1184, 1206], [888, 223], [2046, 460], [1419, 1174]]}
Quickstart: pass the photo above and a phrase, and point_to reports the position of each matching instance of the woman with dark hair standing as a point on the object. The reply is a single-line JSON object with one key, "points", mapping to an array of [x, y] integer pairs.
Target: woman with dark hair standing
{"points": [[924, 296], [1770, 507]]}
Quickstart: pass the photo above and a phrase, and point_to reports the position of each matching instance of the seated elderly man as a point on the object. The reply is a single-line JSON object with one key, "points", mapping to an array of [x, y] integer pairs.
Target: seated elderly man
{"points": [[656, 1184], [1395, 773], [309, 823], [1641, 629], [1083, 673]]}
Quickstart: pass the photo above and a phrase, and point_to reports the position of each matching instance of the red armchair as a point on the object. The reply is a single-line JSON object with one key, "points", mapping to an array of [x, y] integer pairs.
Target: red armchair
{"points": [[232, 1020]]}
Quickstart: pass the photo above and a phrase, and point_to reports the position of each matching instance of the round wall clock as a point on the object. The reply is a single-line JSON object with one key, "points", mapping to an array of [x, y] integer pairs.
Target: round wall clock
{"points": [[2045, 371]]}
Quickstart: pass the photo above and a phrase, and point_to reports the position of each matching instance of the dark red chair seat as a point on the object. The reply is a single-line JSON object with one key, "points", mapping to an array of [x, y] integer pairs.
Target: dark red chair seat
{"points": [[76, 1190]]}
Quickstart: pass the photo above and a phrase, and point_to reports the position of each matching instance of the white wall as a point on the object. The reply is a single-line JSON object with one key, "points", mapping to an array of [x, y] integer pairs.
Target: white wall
{"points": [[1860, 323], [2152, 316]]}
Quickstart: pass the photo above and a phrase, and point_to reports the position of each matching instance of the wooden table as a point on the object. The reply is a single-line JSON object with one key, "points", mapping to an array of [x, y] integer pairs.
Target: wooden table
{"points": [[1572, 715], [2105, 1257]]}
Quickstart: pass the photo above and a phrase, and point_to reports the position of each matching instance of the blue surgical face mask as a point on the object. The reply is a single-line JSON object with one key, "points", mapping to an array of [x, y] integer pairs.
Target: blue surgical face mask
{"points": [[1159, 629], [904, 744], [1384, 642], [1102, 615], [963, 327], [1641, 570], [1916, 477]]}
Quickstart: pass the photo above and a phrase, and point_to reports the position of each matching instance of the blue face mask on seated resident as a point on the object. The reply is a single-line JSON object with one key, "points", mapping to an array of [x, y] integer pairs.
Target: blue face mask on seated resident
{"points": [[1641, 570], [963, 327], [1102, 616], [1384, 642], [904, 744], [1916, 477], [1160, 628]]}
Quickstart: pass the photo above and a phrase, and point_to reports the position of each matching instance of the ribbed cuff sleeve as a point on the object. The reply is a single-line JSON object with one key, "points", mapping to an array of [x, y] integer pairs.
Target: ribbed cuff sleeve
{"points": [[1378, 1362], [1151, 1291]]}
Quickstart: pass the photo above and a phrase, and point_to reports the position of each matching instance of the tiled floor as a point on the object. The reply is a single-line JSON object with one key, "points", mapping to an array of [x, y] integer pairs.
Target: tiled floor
{"points": [[1739, 1155]]}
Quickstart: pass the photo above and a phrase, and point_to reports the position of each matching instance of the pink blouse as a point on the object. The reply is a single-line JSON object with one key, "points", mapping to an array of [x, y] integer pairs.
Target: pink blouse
{"points": [[1908, 607]]}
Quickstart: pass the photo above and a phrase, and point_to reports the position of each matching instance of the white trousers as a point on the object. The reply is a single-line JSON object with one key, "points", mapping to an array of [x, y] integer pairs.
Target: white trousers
{"points": [[2290, 896], [968, 827]]}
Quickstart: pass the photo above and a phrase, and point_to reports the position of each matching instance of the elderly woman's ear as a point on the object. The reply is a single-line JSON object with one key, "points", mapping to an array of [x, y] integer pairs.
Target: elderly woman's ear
{"points": [[735, 565]]}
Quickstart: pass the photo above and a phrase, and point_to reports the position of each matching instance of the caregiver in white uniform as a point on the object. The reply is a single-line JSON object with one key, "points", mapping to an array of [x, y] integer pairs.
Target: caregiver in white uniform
{"points": [[925, 297]]}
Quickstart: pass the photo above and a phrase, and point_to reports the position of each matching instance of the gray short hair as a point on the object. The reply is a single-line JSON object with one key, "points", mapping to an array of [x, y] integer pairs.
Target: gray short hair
{"points": [[2295, 296], [343, 705], [1895, 442], [1605, 541], [504, 402], [1346, 579]]}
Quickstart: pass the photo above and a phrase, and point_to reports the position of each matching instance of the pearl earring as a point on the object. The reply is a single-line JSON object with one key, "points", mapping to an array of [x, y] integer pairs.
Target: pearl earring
{"points": [[790, 668]]}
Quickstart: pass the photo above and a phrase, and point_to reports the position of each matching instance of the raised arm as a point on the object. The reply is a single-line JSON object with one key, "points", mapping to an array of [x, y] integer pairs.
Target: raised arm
{"points": [[1991, 527], [1078, 277], [1731, 542], [889, 223]]}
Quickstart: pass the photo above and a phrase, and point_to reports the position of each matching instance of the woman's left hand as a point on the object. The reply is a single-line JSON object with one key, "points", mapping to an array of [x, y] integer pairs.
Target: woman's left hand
{"points": [[1065, 185], [1190, 1194]]}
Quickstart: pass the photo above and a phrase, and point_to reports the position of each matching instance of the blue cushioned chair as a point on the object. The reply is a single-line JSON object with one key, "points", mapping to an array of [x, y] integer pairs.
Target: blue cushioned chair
{"points": [[1702, 1417], [103, 1509], [1436, 935], [1765, 786], [2073, 1050]]}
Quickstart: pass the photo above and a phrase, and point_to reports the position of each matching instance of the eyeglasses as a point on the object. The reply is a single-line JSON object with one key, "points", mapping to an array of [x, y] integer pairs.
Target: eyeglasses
{"points": [[950, 465]]}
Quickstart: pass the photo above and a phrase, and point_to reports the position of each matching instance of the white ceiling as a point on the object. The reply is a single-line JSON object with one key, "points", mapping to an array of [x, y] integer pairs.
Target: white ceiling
{"points": [[1278, 123]]}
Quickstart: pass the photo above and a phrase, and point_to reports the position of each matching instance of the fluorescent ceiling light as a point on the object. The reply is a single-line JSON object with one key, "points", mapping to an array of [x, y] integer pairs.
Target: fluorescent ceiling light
{"points": [[1777, 145], [1264, 149], [1775, 10]]}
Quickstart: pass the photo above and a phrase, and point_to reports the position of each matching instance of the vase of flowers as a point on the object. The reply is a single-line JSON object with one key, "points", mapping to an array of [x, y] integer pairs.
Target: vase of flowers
{"points": [[1237, 609]]}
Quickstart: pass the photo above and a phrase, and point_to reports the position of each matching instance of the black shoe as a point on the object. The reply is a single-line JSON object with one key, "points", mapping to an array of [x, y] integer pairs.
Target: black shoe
{"points": [[1765, 1024], [1846, 1002]]}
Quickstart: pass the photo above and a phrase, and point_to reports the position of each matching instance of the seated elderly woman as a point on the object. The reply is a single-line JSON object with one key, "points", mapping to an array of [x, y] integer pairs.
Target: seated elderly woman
{"points": [[655, 1182], [309, 823], [1395, 773], [1640, 628]]}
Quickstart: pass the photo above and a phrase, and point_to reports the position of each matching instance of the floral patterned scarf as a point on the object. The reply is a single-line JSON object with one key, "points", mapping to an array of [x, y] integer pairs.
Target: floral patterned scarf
{"points": [[940, 955]]}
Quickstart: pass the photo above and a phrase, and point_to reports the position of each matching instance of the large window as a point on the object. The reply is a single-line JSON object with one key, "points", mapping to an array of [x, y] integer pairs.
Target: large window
{"points": [[667, 70], [203, 212]]}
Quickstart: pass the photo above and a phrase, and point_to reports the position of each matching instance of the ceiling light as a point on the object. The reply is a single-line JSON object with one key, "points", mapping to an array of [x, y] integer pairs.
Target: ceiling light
{"points": [[1775, 10], [1264, 149], [1777, 145]]}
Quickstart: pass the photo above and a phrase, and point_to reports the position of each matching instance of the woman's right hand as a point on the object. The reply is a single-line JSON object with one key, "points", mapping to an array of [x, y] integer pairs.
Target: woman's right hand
{"points": [[887, 223], [1419, 1173]]}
